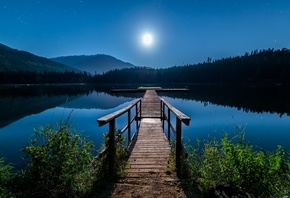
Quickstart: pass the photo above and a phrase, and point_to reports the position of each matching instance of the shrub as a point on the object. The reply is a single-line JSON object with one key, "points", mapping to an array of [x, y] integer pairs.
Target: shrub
{"points": [[117, 158], [238, 166], [60, 164], [5, 178]]}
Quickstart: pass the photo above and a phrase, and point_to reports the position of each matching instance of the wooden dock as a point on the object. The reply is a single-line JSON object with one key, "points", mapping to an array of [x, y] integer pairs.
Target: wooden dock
{"points": [[158, 89], [150, 155], [150, 173]]}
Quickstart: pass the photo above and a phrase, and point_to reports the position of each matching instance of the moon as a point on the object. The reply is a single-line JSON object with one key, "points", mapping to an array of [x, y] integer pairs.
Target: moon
{"points": [[147, 39]]}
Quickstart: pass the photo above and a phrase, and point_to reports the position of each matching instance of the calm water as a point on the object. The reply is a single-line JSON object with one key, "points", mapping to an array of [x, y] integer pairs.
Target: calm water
{"points": [[213, 110]]}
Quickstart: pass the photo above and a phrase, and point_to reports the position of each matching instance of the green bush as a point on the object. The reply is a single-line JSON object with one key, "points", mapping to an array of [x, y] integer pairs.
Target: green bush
{"points": [[60, 164], [5, 178], [237, 165], [117, 158]]}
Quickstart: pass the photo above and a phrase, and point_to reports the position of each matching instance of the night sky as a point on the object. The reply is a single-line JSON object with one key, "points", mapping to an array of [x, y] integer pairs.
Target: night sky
{"points": [[183, 32]]}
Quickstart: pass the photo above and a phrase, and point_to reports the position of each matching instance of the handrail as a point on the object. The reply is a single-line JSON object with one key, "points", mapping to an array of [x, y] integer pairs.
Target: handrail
{"points": [[107, 118], [111, 119], [180, 118], [184, 152]]}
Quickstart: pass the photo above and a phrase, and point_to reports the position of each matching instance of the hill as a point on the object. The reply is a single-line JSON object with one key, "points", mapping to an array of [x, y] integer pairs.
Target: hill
{"points": [[13, 60], [94, 64]]}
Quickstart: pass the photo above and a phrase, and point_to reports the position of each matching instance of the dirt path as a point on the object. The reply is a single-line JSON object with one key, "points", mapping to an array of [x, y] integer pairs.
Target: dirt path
{"points": [[148, 188]]}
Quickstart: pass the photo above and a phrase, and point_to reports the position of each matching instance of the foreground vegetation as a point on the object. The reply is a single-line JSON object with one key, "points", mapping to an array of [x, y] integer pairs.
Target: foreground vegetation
{"points": [[60, 164], [238, 168]]}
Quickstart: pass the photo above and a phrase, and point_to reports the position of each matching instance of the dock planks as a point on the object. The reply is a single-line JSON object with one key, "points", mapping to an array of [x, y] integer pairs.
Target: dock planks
{"points": [[150, 155], [151, 152], [150, 105], [149, 162]]}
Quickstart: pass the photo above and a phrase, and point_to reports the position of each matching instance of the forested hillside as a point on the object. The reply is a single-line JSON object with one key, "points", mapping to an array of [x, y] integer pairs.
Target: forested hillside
{"points": [[258, 67], [94, 64], [28, 77], [265, 66], [12, 60]]}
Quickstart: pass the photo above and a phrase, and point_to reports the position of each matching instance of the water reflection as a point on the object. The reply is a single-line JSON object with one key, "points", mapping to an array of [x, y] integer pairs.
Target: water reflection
{"points": [[20, 101], [21, 114], [265, 130], [272, 99], [213, 110]]}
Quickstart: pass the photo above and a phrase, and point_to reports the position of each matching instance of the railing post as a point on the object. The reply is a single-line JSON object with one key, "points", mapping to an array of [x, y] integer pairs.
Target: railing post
{"points": [[178, 147], [136, 114], [161, 111], [111, 146], [140, 106], [129, 126], [168, 122], [163, 114]]}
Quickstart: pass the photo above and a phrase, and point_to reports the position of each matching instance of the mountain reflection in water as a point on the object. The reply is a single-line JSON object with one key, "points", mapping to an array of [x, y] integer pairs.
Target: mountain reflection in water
{"points": [[211, 108]]}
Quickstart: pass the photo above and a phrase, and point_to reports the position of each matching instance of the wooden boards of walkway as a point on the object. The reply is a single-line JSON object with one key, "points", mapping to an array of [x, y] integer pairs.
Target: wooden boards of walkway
{"points": [[149, 173], [150, 155], [150, 105]]}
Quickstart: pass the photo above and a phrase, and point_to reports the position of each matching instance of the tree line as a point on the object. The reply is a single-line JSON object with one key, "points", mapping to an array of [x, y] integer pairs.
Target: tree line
{"points": [[258, 67], [29, 77], [264, 66]]}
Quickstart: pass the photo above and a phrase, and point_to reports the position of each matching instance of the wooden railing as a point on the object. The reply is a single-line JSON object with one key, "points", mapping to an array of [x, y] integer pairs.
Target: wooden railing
{"points": [[165, 115], [166, 110], [111, 119]]}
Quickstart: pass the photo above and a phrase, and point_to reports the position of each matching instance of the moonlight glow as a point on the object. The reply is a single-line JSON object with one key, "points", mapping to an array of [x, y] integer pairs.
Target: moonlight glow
{"points": [[147, 39]]}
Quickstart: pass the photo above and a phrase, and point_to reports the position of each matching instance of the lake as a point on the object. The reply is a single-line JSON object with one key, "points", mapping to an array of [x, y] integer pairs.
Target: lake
{"points": [[262, 111]]}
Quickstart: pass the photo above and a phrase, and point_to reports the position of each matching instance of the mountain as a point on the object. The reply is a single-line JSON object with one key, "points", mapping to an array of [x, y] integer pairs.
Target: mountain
{"points": [[16, 60], [93, 64]]}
